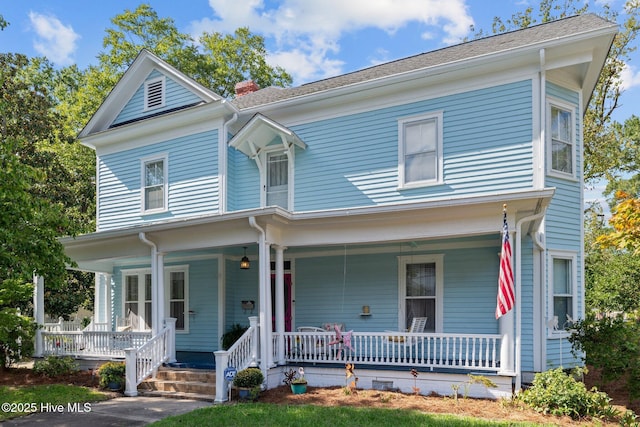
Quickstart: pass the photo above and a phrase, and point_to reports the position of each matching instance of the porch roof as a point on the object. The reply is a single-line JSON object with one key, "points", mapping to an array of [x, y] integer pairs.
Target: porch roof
{"points": [[433, 219]]}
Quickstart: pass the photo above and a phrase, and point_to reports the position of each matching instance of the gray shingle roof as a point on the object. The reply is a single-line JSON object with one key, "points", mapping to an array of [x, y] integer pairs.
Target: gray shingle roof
{"points": [[464, 51]]}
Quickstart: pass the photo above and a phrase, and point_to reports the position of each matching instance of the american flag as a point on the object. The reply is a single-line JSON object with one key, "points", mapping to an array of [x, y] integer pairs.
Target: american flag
{"points": [[506, 293]]}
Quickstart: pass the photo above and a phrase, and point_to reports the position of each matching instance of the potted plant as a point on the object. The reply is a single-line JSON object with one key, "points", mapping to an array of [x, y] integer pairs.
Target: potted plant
{"points": [[296, 380], [248, 382], [112, 375]]}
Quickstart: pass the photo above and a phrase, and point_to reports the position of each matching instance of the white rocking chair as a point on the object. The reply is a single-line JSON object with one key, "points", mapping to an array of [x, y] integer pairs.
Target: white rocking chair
{"points": [[417, 327]]}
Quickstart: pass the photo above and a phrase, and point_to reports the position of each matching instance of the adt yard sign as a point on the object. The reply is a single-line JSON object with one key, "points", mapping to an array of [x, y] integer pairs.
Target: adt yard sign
{"points": [[230, 373]]}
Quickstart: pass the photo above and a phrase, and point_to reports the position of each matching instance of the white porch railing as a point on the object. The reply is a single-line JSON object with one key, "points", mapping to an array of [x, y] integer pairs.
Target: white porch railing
{"points": [[91, 343], [144, 361], [62, 326], [477, 352], [242, 354], [97, 326]]}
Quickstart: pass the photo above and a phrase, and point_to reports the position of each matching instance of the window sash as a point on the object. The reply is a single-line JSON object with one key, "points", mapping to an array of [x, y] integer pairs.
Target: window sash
{"points": [[562, 141], [420, 293], [278, 180], [154, 185], [563, 291], [177, 300], [421, 150]]}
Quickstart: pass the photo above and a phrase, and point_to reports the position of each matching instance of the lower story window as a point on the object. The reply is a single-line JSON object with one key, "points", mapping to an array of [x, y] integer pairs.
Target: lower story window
{"points": [[178, 303], [421, 290], [563, 288]]}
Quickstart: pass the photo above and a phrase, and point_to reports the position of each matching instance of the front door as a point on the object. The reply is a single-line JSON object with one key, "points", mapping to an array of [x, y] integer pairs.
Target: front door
{"points": [[287, 302]]}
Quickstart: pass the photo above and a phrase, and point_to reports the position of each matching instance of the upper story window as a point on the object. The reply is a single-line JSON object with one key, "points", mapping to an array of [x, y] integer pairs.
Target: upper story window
{"points": [[561, 149], [277, 180], [420, 150], [563, 290], [154, 184], [154, 93]]}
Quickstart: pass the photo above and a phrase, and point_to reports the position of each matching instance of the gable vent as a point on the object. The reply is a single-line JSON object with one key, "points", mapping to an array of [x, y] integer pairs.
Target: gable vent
{"points": [[154, 94]]}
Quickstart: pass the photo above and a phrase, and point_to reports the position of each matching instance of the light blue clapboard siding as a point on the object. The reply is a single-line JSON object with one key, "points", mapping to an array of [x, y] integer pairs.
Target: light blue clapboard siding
{"points": [[243, 183], [176, 96], [563, 223], [526, 301], [193, 181], [242, 285], [203, 301], [470, 286], [352, 160], [325, 294]]}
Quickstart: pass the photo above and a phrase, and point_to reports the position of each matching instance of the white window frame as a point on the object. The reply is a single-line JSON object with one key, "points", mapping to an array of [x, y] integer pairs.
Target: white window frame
{"points": [[263, 166], [142, 297], [572, 256], [164, 158], [402, 124], [571, 109], [403, 261], [150, 82], [167, 292]]}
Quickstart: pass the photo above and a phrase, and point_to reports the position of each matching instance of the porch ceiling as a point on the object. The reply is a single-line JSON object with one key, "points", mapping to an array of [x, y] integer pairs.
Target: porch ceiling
{"points": [[434, 219]]}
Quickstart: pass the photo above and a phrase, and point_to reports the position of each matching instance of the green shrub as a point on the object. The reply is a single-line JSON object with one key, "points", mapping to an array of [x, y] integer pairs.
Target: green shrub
{"points": [[557, 393], [611, 345], [112, 372], [53, 366], [248, 378], [232, 335]]}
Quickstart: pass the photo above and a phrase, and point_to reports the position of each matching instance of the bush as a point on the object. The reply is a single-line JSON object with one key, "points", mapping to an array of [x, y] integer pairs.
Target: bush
{"points": [[232, 335], [611, 345], [112, 372], [248, 378], [53, 366], [554, 392]]}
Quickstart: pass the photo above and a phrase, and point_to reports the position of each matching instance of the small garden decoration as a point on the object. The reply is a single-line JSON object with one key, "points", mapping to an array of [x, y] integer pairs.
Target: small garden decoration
{"points": [[299, 382]]}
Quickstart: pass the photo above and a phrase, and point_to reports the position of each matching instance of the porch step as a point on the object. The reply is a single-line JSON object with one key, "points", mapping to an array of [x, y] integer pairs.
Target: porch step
{"points": [[181, 384]]}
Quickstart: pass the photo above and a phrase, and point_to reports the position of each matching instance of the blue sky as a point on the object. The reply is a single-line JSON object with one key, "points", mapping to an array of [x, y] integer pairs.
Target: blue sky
{"points": [[310, 39]]}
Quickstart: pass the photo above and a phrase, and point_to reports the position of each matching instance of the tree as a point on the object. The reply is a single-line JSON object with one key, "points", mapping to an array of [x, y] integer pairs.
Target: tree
{"points": [[218, 63], [29, 222]]}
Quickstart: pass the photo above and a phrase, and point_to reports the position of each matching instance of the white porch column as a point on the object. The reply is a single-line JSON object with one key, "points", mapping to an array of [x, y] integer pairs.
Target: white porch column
{"points": [[159, 303], [506, 329], [38, 311], [102, 309], [268, 324], [280, 303]]}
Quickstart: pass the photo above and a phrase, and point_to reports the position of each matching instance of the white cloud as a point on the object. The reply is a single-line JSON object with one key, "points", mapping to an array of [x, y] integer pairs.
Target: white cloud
{"points": [[630, 77], [54, 40], [307, 33]]}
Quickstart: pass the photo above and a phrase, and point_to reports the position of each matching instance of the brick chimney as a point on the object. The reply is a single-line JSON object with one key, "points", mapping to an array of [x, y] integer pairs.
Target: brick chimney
{"points": [[246, 87]]}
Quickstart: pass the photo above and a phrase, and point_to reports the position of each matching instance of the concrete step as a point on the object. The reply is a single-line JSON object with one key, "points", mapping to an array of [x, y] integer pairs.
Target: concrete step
{"points": [[178, 374], [181, 384], [178, 395]]}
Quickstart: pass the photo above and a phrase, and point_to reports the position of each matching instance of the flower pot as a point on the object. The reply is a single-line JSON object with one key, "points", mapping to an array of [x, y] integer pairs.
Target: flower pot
{"points": [[299, 388], [114, 386]]}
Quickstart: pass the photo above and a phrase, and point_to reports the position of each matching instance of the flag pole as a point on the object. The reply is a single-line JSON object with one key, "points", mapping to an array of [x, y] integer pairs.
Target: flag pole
{"points": [[505, 299]]}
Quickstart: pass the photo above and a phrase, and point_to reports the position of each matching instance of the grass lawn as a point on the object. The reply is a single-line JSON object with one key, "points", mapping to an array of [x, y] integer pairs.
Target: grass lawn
{"points": [[267, 414], [17, 401]]}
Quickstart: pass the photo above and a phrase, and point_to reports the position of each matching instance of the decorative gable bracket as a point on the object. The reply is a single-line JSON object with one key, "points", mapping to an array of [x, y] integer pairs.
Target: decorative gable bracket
{"points": [[263, 134]]}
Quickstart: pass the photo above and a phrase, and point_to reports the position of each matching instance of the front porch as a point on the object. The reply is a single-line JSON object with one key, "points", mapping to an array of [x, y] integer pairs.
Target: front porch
{"points": [[441, 359]]}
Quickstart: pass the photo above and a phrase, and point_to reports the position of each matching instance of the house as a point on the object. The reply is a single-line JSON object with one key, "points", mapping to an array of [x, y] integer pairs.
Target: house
{"points": [[358, 203]]}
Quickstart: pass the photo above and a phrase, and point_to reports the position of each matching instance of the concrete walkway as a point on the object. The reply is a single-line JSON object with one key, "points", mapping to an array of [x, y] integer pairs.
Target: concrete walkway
{"points": [[121, 411]]}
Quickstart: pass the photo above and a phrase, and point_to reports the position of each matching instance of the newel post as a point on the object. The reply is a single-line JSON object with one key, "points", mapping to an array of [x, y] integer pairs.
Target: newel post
{"points": [[131, 373], [170, 324], [255, 340], [222, 361]]}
